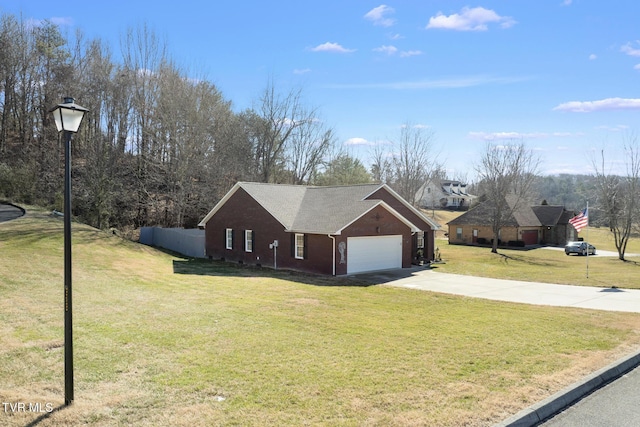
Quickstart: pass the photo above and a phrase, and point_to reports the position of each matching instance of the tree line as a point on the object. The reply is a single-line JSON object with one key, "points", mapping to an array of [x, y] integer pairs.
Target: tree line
{"points": [[158, 146]]}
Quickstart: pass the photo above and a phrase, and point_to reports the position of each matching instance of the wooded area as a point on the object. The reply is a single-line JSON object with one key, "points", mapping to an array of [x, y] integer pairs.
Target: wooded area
{"points": [[157, 147]]}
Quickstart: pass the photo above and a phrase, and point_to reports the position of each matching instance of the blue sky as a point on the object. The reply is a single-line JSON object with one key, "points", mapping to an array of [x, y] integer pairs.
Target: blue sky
{"points": [[560, 75]]}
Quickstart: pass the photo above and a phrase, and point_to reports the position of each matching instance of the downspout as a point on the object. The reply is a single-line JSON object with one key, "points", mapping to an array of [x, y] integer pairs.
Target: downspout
{"points": [[333, 265]]}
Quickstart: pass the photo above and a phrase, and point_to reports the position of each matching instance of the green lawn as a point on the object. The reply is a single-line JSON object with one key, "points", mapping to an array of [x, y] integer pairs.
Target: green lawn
{"points": [[162, 340], [543, 265]]}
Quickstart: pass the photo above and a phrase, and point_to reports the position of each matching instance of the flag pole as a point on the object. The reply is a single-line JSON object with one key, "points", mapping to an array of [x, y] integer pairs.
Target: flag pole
{"points": [[587, 240]]}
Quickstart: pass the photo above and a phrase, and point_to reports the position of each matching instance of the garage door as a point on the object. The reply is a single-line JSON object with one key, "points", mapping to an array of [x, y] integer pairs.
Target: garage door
{"points": [[373, 253], [530, 237]]}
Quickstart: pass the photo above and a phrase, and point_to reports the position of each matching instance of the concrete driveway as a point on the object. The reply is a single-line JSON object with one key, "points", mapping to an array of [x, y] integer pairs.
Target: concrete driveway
{"points": [[599, 253], [420, 278]]}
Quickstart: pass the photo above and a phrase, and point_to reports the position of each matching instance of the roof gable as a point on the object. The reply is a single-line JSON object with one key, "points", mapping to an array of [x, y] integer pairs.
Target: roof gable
{"points": [[431, 223], [548, 215], [321, 210]]}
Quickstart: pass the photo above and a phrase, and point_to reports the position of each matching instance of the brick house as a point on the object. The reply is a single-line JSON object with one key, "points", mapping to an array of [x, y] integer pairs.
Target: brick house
{"points": [[328, 230], [527, 225]]}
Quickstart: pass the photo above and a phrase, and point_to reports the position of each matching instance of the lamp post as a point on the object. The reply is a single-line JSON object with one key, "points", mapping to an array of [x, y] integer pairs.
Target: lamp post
{"points": [[68, 117]]}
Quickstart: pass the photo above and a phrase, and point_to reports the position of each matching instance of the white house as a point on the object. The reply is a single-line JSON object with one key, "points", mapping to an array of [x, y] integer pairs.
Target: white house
{"points": [[445, 194]]}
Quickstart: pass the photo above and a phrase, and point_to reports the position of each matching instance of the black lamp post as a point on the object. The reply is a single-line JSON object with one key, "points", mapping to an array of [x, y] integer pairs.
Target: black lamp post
{"points": [[68, 117]]}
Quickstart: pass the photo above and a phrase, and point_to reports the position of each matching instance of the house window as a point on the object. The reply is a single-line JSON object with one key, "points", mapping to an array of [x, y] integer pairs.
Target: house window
{"points": [[248, 240], [229, 238], [420, 240], [299, 249], [459, 233]]}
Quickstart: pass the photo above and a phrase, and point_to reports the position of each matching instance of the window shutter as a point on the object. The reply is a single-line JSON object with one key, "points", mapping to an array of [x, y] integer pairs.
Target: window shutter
{"points": [[253, 240], [305, 247], [244, 240], [293, 245], [233, 238]]}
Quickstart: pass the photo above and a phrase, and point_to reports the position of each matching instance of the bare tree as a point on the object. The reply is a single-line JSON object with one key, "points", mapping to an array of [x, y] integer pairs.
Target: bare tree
{"points": [[309, 144], [286, 135], [381, 165], [407, 163], [506, 174], [618, 195]]}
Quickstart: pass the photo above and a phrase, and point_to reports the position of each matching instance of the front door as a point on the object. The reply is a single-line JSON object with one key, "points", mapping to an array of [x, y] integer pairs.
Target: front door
{"points": [[475, 236]]}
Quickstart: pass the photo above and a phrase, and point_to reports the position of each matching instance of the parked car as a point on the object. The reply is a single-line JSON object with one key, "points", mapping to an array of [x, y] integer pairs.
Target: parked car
{"points": [[579, 248]]}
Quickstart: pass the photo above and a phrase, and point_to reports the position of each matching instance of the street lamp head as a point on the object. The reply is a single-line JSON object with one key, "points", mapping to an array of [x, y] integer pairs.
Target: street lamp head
{"points": [[68, 115]]}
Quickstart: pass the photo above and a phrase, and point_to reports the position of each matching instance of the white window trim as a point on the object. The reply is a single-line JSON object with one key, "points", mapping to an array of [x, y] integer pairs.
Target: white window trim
{"points": [[298, 246], [420, 240], [248, 242], [228, 238]]}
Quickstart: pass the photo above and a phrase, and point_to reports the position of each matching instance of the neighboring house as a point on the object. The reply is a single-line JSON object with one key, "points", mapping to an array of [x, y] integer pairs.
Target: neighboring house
{"points": [[556, 229], [528, 225], [445, 194], [327, 230]]}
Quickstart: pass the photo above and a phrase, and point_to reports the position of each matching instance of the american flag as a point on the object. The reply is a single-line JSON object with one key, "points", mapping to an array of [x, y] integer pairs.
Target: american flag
{"points": [[581, 220]]}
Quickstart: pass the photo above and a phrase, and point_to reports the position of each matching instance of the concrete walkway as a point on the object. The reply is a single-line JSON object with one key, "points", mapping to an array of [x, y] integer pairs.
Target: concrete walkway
{"points": [[610, 299]]}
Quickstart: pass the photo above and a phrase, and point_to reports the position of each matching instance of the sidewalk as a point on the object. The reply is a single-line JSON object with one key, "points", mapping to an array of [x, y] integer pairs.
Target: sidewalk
{"points": [[609, 299]]}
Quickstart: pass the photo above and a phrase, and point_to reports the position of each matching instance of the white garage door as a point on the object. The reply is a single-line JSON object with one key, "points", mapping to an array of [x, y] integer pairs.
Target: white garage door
{"points": [[373, 253]]}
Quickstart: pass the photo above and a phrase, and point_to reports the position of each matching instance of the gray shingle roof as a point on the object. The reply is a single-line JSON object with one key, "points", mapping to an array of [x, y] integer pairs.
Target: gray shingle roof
{"points": [[308, 209], [522, 216], [549, 215]]}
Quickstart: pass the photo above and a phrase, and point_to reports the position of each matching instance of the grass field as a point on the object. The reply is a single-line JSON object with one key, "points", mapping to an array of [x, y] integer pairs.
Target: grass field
{"points": [[543, 265], [162, 340]]}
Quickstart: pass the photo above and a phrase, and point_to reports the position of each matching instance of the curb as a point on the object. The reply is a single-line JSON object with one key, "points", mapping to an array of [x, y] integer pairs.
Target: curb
{"points": [[554, 404]]}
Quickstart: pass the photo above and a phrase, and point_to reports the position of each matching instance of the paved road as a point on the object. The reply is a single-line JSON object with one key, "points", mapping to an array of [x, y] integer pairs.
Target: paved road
{"points": [[9, 212], [616, 404], [610, 299]]}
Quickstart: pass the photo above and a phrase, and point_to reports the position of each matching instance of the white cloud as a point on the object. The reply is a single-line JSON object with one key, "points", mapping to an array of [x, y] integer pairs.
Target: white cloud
{"points": [[601, 105], [396, 36], [392, 50], [59, 21], [636, 67], [378, 15], [630, 50], [506, 136], [331, 47], [389, 50], [470, 19], [418, 126], [567, 2], [301, 70], [451, 83], [408, 53], [617, 128], [62, 21], [593, 56], [358, 141]]}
